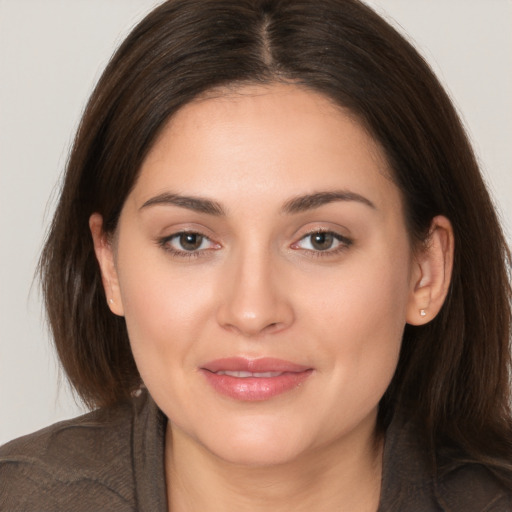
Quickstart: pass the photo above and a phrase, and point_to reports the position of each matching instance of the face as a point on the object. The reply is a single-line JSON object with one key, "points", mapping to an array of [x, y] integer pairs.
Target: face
{"points": [[265, 273]]}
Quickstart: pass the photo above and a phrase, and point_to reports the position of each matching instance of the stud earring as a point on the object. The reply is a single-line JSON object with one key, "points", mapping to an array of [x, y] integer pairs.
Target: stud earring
{"points": [[422, 312], [111, 301]]}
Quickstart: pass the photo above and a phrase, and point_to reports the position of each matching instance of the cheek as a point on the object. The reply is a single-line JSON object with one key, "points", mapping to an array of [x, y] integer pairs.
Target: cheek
{"points": [[358, 316], [165, 309], [370, 293]]}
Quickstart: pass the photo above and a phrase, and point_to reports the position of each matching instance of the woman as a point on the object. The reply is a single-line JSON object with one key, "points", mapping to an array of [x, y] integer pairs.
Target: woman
{"points": [[269, 271]]}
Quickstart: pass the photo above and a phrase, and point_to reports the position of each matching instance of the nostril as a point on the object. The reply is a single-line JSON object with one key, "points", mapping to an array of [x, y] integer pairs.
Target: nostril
{"points": [[273, 327]]}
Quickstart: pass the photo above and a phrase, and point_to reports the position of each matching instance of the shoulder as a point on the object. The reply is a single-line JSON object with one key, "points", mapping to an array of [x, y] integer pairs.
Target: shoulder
{"points": [[56, 467], [411, 482], [467, 485]]}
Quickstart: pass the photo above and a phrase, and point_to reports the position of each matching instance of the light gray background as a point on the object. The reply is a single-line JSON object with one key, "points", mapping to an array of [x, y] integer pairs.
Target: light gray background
{"points": [[51, 54]]}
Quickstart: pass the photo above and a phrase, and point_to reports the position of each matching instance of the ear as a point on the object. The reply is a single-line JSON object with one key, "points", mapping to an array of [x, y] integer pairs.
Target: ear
{"points": [[105, 256], [432, 273]]}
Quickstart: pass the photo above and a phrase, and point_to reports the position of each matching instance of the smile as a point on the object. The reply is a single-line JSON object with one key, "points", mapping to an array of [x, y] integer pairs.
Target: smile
{"points": [[245, 375], [254, 380]]}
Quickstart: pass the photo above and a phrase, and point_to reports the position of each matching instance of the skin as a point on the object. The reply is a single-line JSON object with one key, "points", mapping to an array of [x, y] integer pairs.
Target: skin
{"points": [[258, 287]]}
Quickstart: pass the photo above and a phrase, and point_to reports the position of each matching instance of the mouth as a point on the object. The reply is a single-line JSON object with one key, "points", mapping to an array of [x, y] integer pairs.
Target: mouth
{"points": [[254, 379], [246, 375]]}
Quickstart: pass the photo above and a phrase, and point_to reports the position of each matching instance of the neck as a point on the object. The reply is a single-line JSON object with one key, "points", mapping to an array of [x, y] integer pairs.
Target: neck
{"points": [[344, 476]]}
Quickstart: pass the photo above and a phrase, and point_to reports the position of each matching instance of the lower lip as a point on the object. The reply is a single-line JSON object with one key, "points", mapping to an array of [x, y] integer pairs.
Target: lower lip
{"points": [[252, 389]]}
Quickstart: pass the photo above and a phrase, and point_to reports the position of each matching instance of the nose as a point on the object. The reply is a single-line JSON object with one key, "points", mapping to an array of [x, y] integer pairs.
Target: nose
{"points": [[253, 296]]}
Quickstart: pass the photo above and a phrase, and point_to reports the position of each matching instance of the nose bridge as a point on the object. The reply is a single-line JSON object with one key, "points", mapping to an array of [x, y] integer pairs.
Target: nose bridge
{"points": [[252, 299]]}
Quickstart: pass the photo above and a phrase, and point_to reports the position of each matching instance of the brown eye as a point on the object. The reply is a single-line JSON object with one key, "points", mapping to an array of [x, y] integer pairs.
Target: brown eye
{"points": [[190, 241], [187, 243], [327, 242], [322, 241]]}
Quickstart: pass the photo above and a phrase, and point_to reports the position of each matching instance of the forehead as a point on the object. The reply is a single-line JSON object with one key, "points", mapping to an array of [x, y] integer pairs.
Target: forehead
{"points": [[276, 140]]}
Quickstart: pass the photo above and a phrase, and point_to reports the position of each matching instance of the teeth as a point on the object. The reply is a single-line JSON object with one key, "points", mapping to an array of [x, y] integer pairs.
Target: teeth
{"points": [[245, 375]]}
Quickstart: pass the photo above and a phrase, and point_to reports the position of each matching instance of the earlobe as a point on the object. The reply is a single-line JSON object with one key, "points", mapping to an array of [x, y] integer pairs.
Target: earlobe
{"points": [[105, 256], [432, 273]]}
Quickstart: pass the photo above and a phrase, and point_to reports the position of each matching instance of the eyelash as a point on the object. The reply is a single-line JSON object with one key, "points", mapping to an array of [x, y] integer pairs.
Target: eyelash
{"points": [[344, 244], [165, 244]]}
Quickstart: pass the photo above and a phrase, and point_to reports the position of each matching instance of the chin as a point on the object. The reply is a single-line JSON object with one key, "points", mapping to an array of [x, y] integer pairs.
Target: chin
{"points": [[257, 446], [257, 455]]}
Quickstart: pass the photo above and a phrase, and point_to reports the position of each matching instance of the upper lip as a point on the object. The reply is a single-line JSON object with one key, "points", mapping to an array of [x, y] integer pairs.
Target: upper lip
{"points": [[264, 364]]}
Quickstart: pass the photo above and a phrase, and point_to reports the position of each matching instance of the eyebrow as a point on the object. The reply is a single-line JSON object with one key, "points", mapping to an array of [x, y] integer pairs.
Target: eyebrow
{"points": [[197, 204], [295, 205], [312, 201]]}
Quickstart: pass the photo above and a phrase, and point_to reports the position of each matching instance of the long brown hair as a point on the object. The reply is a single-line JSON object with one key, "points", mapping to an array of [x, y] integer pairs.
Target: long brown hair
{"points": [[453, 373]]}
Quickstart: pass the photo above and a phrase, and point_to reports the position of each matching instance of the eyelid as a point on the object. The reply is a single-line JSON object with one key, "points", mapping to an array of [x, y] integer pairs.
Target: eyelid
{"points": [[344, 242], [164, 243]]}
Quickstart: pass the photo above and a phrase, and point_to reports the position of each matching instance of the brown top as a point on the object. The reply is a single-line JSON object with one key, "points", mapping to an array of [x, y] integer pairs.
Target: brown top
{"points": [[113, 459]]}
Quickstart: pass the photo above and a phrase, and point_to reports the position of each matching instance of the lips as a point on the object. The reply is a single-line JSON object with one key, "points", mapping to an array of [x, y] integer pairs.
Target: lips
{"points": [[245, 375], [254, 379]]}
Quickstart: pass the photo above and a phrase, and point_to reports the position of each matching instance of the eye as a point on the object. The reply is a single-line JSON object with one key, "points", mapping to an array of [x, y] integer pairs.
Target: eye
{"points": [[187, 243], [323, 241]]}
